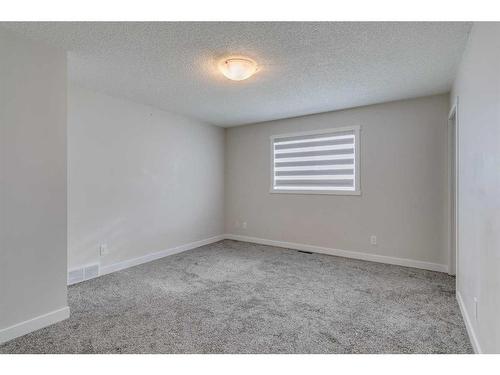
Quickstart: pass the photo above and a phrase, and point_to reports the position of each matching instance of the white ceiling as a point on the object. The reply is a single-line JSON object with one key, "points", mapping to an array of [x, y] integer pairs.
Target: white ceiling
{"points": [[304, 67]]}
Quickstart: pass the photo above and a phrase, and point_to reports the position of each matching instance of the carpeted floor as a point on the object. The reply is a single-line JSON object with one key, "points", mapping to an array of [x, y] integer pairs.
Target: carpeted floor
{"points": [[235, 297]]}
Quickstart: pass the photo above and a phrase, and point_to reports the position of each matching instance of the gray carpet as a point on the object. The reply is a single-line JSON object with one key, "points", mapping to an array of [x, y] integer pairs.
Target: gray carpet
{"points": [[235, 297]]}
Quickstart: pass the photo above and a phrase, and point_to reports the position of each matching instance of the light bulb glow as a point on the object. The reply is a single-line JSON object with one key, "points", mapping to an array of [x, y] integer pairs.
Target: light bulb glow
{"points": [[238, 68]]}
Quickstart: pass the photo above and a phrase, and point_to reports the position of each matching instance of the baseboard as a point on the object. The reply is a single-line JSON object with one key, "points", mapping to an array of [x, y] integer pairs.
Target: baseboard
{"points": [[157, 255], [468, 325], [34, 324], [290, 245], [343, 253]]}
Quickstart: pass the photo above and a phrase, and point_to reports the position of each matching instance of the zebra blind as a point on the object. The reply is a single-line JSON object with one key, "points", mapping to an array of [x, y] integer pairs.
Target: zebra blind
{"points": [[316, 162]]}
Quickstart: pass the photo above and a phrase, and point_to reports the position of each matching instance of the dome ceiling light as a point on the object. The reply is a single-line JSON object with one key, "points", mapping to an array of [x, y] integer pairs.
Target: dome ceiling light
{"points": [[238, 68]]}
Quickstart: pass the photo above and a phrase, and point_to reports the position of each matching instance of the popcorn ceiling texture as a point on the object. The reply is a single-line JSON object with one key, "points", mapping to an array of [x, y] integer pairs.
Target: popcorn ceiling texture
{"points": [[304, 67], [235, 297]]}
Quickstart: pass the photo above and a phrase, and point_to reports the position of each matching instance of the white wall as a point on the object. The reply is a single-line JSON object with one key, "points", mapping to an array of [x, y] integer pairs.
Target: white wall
{"points": [[141, 180], [33, 232], [403, 183], [478, 88]]}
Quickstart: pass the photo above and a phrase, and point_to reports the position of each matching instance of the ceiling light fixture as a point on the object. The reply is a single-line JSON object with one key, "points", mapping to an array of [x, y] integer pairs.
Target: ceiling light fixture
{"points": [[238, 68]]}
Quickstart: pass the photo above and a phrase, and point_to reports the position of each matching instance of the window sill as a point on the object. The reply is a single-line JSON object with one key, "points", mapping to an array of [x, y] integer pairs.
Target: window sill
{"points": [[319, 192]]}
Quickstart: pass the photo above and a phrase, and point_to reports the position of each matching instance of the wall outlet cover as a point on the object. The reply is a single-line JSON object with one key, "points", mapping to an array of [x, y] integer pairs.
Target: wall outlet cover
{"points": [[103, 250]]}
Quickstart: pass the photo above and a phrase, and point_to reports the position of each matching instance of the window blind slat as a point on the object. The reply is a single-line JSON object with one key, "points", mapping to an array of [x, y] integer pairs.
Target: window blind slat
{"points": [[313, 168], [348, 146], [333, 172], [349, 151], [321, 177], [346, 182], [331, 142], [315, 158], [314, 163], [316, 188]]}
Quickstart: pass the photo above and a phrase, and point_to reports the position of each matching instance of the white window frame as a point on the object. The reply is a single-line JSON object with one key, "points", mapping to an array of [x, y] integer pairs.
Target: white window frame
{"points": [[357, 179]]}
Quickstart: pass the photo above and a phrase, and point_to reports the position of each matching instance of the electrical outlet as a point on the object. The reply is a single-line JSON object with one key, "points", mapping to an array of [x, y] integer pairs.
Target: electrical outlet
{"points": [[103, 249], [244, 225], [373, 239]]}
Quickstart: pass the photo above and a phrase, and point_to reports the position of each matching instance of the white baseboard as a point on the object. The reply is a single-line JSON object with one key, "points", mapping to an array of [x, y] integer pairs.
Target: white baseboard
{"points": [[157, 255], [343, 253], [290, 245], [468, 325], [20, 329]]}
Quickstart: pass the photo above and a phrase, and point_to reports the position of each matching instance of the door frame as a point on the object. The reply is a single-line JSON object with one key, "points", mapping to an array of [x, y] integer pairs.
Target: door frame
{"points": [[453, 171]]}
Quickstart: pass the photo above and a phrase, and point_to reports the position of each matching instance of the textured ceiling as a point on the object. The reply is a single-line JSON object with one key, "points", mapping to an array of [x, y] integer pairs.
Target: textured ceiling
{"points": [[304, 67]]}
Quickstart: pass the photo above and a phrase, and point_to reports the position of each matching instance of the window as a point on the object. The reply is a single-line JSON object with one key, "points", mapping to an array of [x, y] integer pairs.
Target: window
{"points": [[319, 162]]}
